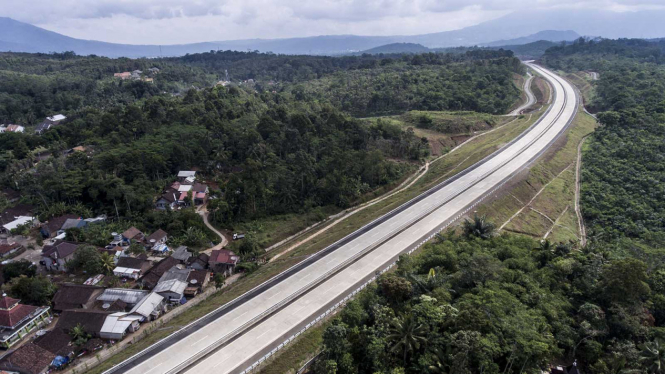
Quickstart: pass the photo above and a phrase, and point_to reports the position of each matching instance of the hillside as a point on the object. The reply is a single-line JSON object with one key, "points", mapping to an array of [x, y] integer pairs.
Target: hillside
{"points": [[398, 48], [547, 35]]}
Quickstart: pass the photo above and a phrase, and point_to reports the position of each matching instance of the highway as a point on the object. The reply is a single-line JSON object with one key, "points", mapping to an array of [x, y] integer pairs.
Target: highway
{"points": [[233, 337]]}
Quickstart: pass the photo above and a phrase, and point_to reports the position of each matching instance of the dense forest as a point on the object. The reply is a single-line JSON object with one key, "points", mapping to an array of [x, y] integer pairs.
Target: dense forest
{"points": [[269, 141], [502, 304], [623, 190]]}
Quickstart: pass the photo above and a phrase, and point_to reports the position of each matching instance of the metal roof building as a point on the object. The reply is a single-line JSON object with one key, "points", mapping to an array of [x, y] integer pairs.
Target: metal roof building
{"points": [[131, 297], [150, 305], [117, 325]]}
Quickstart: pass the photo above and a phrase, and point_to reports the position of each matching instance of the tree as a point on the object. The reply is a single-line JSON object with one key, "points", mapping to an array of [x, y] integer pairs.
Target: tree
{"points": [[624, 282], [88, 259], [18, 268], [79, 335], [108, 263], [479, 227], [395, 288], [652, 357], [220, 280], [35, 290], [406, 335]]}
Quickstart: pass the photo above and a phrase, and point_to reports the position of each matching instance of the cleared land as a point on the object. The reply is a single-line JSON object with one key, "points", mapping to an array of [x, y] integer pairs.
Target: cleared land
{"points": [[541, 202]]}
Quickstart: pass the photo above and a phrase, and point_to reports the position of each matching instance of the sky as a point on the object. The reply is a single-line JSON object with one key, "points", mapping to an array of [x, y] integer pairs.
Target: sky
{"points": [[188, 21]]}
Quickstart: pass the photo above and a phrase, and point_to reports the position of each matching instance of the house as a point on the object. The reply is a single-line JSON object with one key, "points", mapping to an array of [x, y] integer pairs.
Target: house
{"points": [[123, 75], [168, 200], [199, 262], [20, 210], [90, 320], [181, 254], [150, 307], [184, 174], [55, 256], [73, 223], [28, 359], [19, 221], [42, 127], [172, 290], [55, 341], [176, 272], [199, 193], [128, 296], [152, 276], [9, 249], [157, 238], [56, 119], [223, 261], [196, 282], [131, 267], [117, 325], [154, 70], [17, 320], [75, 296], [133, 233], [15, 128], [53, 226]]}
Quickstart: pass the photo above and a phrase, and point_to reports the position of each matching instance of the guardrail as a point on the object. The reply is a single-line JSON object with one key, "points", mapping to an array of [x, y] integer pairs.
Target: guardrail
{"points": [[432, 234]]}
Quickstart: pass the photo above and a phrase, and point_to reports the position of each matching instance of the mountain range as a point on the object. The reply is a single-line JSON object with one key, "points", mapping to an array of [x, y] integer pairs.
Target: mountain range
{"points": [[513, 29]]}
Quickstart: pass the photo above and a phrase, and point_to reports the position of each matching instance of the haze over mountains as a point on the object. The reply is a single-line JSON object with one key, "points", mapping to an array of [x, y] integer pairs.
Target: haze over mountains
{"points": [[514, 29]]}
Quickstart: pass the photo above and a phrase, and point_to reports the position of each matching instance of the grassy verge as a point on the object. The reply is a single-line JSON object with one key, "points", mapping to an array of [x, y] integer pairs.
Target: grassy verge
{"points": [[444, 129], [304, 348], [463, 157], [552, 179]]}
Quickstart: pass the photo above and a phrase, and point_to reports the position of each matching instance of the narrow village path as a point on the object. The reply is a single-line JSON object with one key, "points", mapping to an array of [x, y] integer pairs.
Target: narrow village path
{"points": [[203, 212]]}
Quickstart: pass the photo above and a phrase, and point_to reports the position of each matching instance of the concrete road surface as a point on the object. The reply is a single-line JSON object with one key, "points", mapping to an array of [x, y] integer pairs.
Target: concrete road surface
{"points": [[232, 338]]}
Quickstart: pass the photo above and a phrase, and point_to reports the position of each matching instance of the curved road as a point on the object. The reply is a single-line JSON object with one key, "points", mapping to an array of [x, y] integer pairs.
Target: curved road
{"points": [[233, 337], [530, 97]]}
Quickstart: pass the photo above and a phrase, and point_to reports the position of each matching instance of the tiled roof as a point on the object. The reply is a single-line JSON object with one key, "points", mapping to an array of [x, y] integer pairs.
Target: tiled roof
{"points": [[14, 316], [6, 248], [91, 320], [200, 276], [223, 256], [28, 359], [10, 214], [157, 235], [131, 233], [75, 296], [133, 263], [54, 224], [7, 302], [152, 276], [60, 249], [55, 341]]}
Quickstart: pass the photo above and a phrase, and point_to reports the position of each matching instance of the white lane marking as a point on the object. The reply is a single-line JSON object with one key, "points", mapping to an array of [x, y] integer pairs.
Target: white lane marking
{"points": [[198, 341], [221, 362], [154, 367], [239, 316]]}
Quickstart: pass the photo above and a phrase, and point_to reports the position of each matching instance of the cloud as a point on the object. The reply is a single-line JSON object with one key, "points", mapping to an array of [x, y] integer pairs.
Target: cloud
{"points": [[184, 21]]}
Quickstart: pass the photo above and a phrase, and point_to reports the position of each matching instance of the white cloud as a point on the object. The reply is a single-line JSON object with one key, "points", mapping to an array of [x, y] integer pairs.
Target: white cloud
{"points": [[186, 21]]}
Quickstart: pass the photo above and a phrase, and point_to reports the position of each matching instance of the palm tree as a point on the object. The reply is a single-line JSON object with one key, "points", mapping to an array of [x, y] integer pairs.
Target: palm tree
{"points": [[406, 335], [108, 264], [653, 356], [440, 366], [479, 227], [78, 334]]}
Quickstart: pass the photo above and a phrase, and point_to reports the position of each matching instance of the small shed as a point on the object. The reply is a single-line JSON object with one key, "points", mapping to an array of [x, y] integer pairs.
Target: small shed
{"points": [[117, 325]]}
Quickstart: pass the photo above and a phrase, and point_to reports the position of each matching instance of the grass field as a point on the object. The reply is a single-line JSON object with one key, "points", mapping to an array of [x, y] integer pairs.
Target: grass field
{"points": [[545, 195]]}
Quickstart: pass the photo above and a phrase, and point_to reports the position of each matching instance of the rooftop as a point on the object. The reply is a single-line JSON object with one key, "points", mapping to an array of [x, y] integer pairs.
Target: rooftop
{"points": [[186, 173], [129, 296], [90, 320], [157, 235], [28, 359], [75, 296], [147, 305], [223, 256], [173, 285], [131, 233], [181, 253]]}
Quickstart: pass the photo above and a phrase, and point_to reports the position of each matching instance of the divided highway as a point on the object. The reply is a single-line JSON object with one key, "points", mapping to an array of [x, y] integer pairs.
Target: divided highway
{"points": [[233, 337]]}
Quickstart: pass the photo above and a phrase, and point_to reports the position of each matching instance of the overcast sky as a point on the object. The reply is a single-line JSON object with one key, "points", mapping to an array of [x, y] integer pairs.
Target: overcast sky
{"points": [[186, 21]]}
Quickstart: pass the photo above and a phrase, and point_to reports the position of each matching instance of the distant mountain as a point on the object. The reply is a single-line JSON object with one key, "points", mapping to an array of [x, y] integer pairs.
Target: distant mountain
{"points": [[511, 29], [398, 48], [547, 35]]}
